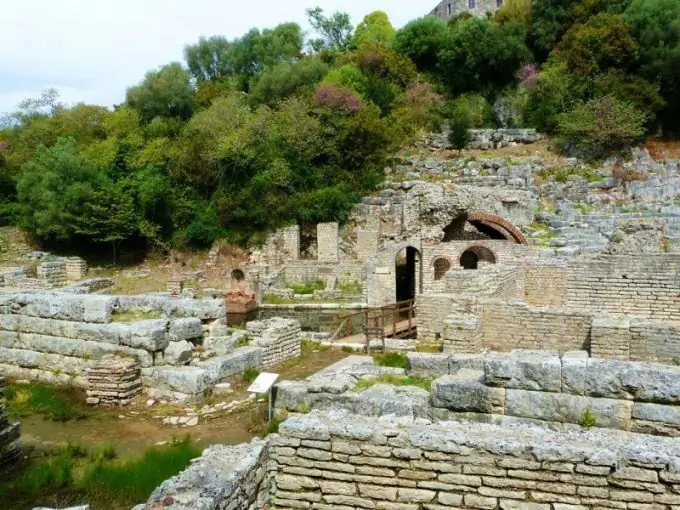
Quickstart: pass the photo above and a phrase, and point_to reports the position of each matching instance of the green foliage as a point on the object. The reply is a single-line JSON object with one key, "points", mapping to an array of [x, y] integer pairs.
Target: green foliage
{"points": [[308, 288], [588, 419], [477, 109], [250, 374], [514, 11], [602, 43], [164, 93], [285, 79], [390, 359], [601, 126], [421, 40], [54, 403], [480, 56], [334, 32], [374, 30], [460, 123]]}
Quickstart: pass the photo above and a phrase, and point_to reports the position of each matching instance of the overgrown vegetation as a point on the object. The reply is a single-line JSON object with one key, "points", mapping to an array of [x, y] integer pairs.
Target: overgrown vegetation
{"points": [[390, 359], [250, 374], [270, 129], [395, 380], [307, 288], [52, 402], [134, 316], [74, 474]]}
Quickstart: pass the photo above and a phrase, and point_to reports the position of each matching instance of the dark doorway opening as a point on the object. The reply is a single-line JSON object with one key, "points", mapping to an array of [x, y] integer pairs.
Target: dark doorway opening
{"points": [[472, 256], [407, 271], [469, 260]]}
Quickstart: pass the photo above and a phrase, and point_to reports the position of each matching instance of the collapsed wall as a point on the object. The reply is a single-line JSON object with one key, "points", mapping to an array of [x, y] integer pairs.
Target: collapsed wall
{"points": [[9, 433], [343, 461], [183, 346]]}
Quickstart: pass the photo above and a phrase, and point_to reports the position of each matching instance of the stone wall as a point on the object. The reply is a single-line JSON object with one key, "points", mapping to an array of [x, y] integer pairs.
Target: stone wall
{"points": [[9, 433], [280, 339], [484, 139], [449, 8], [225, 477], [352, 462], [645, 287], [327, 242], [515, 325], [55, 337], [52, 274]]}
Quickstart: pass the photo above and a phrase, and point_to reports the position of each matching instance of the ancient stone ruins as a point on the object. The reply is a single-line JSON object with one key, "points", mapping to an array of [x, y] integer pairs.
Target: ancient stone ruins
{"points": [[551, 289]]}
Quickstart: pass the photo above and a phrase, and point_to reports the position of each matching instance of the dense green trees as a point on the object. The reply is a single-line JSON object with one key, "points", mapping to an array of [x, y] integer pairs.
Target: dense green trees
{"points": [[255, 132]]}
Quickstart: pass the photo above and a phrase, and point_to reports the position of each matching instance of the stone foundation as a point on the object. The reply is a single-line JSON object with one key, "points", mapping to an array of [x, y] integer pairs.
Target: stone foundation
{"points": [[279, 338], [9, 433]]}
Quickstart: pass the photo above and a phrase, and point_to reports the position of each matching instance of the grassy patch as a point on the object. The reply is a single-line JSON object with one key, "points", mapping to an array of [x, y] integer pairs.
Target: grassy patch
{"points": [[562, 174], [307, 288], [588, 419], [52, 402], [429, 347], [131, 316], [390, 359], [395, 380], [73, 475], [250, 374], [349, 287]]}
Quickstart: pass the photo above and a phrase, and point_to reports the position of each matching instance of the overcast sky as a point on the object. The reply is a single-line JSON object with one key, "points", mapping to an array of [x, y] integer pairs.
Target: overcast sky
{"points": [[91, 50]]}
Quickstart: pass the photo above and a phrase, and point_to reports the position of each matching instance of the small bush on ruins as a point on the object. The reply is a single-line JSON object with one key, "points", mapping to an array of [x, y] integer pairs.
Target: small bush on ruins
{"points": [[250, 374], [390, 359], [601, 126], [588, 419]]}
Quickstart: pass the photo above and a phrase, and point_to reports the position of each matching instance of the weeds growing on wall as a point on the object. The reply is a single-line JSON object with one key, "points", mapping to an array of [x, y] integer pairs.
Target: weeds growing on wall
{"points": [[394, 380]]}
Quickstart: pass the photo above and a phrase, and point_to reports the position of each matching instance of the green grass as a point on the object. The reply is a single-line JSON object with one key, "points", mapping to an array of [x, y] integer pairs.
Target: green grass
{"points": [[390, 359], [52, 402], [562, 174], [588, 419], [307, 288], [130, 316], [395, 380], [250, 374], [429, 347], [349, 288], [72, 475]]}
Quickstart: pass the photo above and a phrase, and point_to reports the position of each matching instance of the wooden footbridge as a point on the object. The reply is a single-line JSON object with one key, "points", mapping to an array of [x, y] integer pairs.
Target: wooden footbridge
{"points": [[396, 320]]}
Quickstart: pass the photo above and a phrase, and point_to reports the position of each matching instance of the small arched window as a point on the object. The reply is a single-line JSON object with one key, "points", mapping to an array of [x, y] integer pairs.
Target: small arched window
{"points": [[238, 275], [441, 267]]}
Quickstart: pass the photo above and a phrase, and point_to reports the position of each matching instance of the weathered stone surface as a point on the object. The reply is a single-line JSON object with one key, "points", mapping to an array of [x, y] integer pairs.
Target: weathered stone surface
{"points": [[383, 399], [188, 328], [188, 380], [423, 364], [150, 335], [565, 408], [524, 372], [466, 392], [178, 353], [237, 362], [644, 382], [331, 383], [574, 365], [657, 413]]}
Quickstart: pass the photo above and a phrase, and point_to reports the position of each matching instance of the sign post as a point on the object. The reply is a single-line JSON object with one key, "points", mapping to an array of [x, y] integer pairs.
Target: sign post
{"points": [[263, 384]]}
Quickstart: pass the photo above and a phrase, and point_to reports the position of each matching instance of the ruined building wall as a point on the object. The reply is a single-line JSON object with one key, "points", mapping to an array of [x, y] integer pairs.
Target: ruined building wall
{"points": [[9, 433], [645, 287]]}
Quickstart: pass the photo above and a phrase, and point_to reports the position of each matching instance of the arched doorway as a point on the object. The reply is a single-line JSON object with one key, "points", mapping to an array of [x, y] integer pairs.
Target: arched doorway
{"points": [[479, 225], [471, 257], [407, 273]]}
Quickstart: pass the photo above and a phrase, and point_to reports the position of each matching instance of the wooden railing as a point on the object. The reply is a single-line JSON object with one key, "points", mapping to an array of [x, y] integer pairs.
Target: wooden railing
{"points": [[386, 317]]}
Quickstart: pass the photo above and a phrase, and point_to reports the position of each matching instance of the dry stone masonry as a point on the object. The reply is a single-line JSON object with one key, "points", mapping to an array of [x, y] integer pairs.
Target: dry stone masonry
{"points": [[336, 460], [9, 433], [279, 338], [113, 381]]}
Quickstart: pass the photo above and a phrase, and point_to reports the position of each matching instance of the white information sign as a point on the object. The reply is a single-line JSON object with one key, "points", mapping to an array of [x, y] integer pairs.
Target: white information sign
{"points": [[382, 270], [263, 383]]}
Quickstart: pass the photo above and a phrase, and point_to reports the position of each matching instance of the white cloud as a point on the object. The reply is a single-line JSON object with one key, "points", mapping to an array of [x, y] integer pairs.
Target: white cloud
{"points": [[92, 50]]}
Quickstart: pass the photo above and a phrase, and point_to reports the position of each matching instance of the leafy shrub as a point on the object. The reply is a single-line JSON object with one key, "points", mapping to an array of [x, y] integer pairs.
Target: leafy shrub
{"points": [[250, 374], [601, 126], [459, 129]]}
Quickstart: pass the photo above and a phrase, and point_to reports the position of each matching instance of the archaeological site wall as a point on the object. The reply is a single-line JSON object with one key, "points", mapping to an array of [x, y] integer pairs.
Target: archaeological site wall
{"points": [[182, 346], [9, 433], [342, 461]]}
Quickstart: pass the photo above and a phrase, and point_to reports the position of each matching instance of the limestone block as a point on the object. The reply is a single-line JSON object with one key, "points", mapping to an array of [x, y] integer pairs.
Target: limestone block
{"points": [[290, 395], [185, 329], [657, 413], [65, 306], [385, 399], [150, 335], [564, 408], [530, 372], [468, 361], [331, 383], [465, 392], [643, 382], [178, 353], [235, 363], [43, 361], [422, 364], [574, 365], [203, 309], [190, 380]]}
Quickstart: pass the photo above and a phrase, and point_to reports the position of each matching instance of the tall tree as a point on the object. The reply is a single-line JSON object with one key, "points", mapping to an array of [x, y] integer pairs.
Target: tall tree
{"points": [[167, 92], [421, 40], [374, 30], [335, 31]]}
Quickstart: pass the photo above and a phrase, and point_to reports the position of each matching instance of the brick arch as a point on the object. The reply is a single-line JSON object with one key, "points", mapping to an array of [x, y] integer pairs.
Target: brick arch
{"points": [[497, 222], [480, 250]]}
